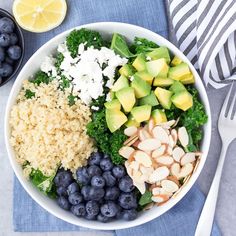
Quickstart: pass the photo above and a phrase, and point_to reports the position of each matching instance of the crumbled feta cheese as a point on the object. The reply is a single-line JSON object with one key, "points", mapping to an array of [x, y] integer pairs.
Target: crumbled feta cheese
{"points": [[131, 78], [148, 58], [108, 97], [48, 66], [94, 108]]}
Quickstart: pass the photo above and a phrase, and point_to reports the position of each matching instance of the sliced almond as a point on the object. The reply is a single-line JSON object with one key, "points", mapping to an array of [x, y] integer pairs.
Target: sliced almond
{"points": [[164, 160], [174, 136], [140, 186], [171, 141], [175, 169], [159, 151], [169, 186], [176, 122], [136, 143], [128, 169], [183, 136], [159, 174], [131, 140], [134, 165], [130, 131], [167, 124], [174, 179], [144, 177], [161, 134], [151, 125], [178, 153], [136, 176], [149, 144], [187, 158], [148, 206], [146, 170], [143, 158], [143, 134], [185, 170], [156, 191], [160, 198], [169, 150], [126, 152]]}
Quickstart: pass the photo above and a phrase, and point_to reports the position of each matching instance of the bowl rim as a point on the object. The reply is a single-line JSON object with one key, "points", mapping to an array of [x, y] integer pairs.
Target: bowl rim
{"points": [[162, 209], [22, 41]]}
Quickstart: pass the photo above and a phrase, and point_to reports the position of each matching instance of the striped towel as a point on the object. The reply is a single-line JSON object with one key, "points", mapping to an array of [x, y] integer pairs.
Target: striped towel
{"points": [[206, 34]]}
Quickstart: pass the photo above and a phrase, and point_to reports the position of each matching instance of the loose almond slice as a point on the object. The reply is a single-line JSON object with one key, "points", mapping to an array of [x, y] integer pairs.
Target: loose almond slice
{"points": [[187, 158], [178, 153], [151, 125], [175, 169], [134, 165], [185, 170], [143, 158], [149, 144], [160, 198], [169, 186], [130, 131], [159, 151], [143, 134], [167, 124], [140, 186], [164, 160], [131, 140], [126, 152], [161, 134], [174, 136], [183, 136], [159, 174]]}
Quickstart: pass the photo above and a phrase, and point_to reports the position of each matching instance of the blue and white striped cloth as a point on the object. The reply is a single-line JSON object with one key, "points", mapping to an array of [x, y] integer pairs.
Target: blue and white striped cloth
{"points": [[206, 34]]}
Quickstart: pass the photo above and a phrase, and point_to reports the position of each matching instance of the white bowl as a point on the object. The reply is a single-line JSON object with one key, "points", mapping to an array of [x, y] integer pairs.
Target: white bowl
{"points": [[33, 64]]}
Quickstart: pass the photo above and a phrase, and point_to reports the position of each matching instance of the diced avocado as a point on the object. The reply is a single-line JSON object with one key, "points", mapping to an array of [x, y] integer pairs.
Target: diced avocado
{"points": [[115, 119], [122, 82], [188, 79], [161, 52], [164, 97], [141, 87], [177, 87], [150, 99], [177, 72], [126, 97], [145, 76], [157, 66], [112, 94], [163, 82], [139, 63], [132, 122], [183, 100], [126, 70], [176, 61], [141, 113], [113, 105], [159, 116]]}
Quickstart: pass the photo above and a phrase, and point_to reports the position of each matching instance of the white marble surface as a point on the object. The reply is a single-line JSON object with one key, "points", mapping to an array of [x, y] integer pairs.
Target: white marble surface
{"points": [[226, 207]]}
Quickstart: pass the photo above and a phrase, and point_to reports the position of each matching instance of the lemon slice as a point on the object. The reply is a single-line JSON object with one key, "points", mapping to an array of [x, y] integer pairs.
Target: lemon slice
{"points": [[39, 15]]}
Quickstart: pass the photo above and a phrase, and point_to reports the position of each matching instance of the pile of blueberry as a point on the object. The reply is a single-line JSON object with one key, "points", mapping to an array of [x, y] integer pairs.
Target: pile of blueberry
{"points": [[10, 52], [104, 192]]}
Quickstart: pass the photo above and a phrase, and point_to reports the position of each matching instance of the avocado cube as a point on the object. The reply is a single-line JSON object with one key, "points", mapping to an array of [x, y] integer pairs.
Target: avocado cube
{"points": [[177, 87], [177, 72], [141, 87], [158, 116], [126, 70], [176, 61], [182, 100], [132, 122], [150, 99], [113, 105], [161, 52], [162, 82], [115, 119], [145, 76], [141, 113], [120, 83], [139, 63], [157, 66], [164, 97], [126, 97], [188, 79]]}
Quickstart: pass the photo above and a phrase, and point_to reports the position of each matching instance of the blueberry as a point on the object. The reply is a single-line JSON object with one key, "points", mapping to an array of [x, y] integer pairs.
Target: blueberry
{"points": [[126, 184], [4, 40], [1, 80], [72, 188], [75, 198], [94, 170], [98, 181], [89, 217], [112, 193], [14, 52], [109, 209], [6, 25], [9, 60], [129, 214], [92, 208], [13, 39], [127, 201], [2, 54], [82, 175], [85, 191], [106, 164], [78, 210], [118, 171], [63, 203], [102, 218], [63, 178], [95, 158], [61, 191], [109, 179], [5, 70], [96, 193]]}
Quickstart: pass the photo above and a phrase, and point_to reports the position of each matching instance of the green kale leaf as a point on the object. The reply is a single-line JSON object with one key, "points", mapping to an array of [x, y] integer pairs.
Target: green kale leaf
{"points": [[71, 100], [29, 94], [64, 82], [145, 198], [141, 45], [41, 77], [59, 60]]}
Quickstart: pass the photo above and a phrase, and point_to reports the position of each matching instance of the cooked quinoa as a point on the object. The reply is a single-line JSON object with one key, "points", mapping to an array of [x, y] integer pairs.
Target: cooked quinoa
{"points": [[46, 132]]}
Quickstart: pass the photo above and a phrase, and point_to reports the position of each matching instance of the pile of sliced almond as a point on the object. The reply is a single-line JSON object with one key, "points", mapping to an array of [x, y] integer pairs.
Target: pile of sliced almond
{"points": [[156, 157]]}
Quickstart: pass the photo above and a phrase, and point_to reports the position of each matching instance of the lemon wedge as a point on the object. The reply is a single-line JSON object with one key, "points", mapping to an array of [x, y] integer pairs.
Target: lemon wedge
{"points": [[39, 15]]}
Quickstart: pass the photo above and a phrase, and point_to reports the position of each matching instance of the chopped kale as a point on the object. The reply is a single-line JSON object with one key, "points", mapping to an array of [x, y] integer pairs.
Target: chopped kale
{"points": [[141, 45], [71, 100], [64, 83], [29, 94], [145, 198], [59, 60], [41, 77]]}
